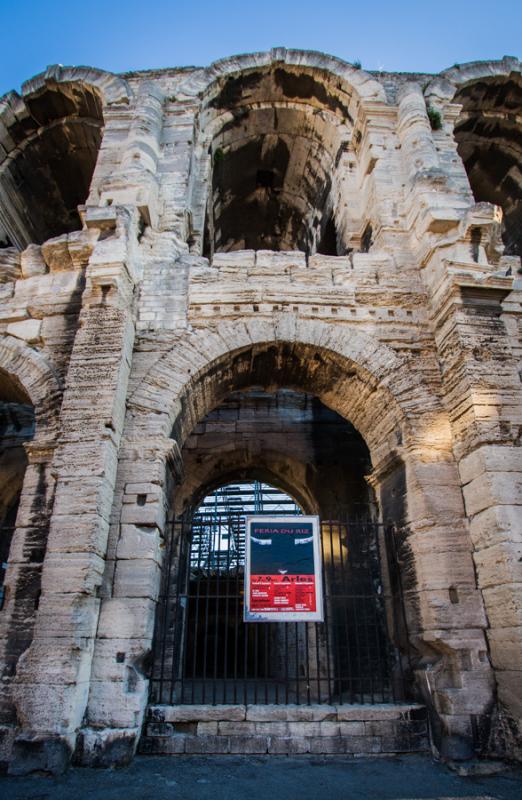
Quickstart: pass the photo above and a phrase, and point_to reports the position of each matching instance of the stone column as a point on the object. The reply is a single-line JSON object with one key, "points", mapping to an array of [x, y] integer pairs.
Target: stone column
{"points": [[134, 182], [414, 130], [421, 493], [53, 675], [484, 398], [481, 387], [24, 579], [119, 689]]}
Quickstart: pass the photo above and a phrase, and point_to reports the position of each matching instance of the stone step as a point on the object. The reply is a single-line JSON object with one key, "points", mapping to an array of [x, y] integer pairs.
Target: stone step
{"points": [[286, 729]]}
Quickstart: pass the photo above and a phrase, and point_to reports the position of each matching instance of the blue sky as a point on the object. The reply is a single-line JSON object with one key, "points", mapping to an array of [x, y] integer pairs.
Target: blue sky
{"points": [[121, 35]]}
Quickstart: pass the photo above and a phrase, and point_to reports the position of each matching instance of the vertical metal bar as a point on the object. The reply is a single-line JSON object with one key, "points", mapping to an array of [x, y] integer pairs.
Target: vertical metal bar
{"points": [[317, 631], [335, 626], [285, 628], [326, 619], [197, 582], [206, 596], [256, 657], [227, 612], [344, 569], [245, 664], [180, 626], [237, 616], [307, 662], [217, 550], [297, 686], [164, 616], [265, 645]]}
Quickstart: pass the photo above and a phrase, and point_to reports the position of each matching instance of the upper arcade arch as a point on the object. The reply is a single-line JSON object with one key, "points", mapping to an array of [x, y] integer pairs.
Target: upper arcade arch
{"points": [[49, 142], [272, 130], [364, 87], [487, 132]]}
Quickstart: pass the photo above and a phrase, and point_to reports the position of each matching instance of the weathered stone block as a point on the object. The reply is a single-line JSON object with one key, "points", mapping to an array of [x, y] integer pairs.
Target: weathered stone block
{"points": [[203, 713], [506, 648], [231, 728], [288, 746], [290, 713], [138, 577], [107, 748], [28, 329], [362, 745], [129, 618], [248, 744], [32, 261], [326, 745], [207, 744]]}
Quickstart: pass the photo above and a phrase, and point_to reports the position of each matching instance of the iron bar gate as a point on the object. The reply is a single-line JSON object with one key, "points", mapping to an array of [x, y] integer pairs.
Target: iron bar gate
{"points": [[205, 653]]}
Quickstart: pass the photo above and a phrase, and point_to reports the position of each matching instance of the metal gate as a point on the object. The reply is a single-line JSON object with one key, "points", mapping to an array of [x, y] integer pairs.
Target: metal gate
{"points": [[205, 653]]}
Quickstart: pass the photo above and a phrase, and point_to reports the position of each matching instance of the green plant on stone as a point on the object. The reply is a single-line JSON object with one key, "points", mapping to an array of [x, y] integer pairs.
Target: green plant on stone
{"points": [[435, 118]]}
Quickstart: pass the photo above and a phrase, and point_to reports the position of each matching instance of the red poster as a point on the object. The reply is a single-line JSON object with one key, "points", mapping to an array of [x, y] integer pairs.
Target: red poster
{"points": [[283, 579], [282, 592]]}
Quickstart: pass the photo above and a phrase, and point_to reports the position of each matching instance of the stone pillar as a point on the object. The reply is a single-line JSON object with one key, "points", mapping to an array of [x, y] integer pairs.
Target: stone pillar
{"points": [[444, 610], [481, 389], [134, 182], [52, 681], [24, 579], [485, 402], [119, 689], [414, 130]]}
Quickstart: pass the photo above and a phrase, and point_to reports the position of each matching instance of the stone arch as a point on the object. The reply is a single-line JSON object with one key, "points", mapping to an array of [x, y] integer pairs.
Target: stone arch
{"points": [[487, 133], [50, 138], [113, 89], [167, 397], [286, 438], [36, 382], [365, 87], [272, 131]]}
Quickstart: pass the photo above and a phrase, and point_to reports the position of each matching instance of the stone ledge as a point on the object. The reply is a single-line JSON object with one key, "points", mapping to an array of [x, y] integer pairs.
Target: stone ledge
{"points": [[286, 730], [285, 713]]}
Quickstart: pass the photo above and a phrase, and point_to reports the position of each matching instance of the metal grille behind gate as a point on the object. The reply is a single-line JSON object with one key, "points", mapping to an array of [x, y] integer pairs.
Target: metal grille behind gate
{"points": [[205, 653]]}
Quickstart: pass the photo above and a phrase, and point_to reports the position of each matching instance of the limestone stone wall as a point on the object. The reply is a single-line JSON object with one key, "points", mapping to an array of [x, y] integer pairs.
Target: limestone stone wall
{"points": [[380, 285]]}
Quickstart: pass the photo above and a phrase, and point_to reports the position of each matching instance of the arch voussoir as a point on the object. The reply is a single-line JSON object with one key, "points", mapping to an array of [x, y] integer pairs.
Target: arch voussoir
{"points": [[36, 377]]}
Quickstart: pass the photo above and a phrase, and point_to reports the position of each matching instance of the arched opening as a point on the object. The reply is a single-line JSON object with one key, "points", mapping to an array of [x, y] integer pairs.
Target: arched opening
{"points": [[277, 136], [17, 425], [265, 448], [489, 139], [52, 156]]}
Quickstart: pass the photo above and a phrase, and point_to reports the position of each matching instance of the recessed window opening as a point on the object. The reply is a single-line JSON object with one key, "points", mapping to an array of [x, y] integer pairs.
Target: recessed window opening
{"points": [[273, 161], [48, 174], [489, 143]]}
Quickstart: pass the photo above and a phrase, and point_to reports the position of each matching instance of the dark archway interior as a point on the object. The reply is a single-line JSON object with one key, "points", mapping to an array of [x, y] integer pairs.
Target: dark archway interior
{"points": [[274, 157], [17, 424], [48, 172], [274, 452], [270, 366], [489, 137], [286, 438]]}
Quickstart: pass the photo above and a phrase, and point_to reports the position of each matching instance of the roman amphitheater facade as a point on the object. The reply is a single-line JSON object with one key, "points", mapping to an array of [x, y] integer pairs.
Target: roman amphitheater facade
{"points": [[289, 224]]}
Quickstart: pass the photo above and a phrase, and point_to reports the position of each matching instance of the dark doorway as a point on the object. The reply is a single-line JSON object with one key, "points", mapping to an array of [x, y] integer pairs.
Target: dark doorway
{"points": [[205, 653]]}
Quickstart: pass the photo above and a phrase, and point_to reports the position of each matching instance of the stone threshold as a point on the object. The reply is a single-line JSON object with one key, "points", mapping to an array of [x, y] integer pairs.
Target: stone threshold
{"points": [[286, 729]]}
